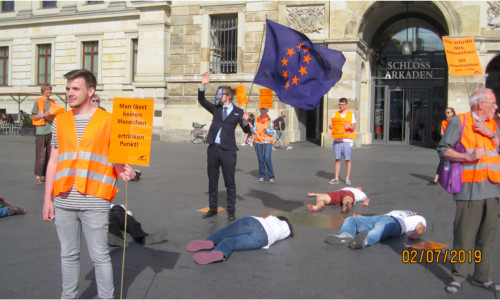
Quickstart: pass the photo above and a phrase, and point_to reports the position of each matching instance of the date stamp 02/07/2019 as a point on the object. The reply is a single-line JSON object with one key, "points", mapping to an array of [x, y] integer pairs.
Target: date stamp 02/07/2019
{"points": [[441, 256]]}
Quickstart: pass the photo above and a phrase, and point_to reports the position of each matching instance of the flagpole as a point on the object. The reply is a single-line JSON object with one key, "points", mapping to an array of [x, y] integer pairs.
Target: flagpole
{"points": [[258, 63]]}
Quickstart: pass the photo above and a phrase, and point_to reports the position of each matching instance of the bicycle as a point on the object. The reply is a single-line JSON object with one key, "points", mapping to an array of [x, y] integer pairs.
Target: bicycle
{"points": [[199, 134]]}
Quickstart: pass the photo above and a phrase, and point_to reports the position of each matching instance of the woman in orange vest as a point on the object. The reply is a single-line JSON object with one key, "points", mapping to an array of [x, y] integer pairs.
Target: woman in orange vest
{"points": [[450, 113], [263, 142]]}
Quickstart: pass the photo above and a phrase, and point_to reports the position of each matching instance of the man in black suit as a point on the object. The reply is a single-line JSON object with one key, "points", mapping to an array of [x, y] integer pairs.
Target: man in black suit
{"points": [[221, 151]]}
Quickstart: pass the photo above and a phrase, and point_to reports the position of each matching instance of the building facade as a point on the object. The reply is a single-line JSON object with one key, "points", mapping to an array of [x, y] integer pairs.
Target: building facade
{"points": [[395, 76]]}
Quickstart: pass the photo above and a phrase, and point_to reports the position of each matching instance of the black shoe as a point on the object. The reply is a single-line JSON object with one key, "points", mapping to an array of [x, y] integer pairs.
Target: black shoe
{"points": [[17, 210], [210, 213], [4, 203], [432, 182], [359, 240], [114, 241], [154, 238], [231, 216]]}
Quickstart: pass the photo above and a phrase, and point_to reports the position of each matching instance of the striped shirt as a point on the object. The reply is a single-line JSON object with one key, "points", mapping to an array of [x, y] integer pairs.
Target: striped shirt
{"points": [[73, 199]]}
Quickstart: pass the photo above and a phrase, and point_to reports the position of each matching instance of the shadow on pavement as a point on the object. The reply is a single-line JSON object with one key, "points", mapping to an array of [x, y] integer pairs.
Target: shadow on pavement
{"points": [[137, 259]]}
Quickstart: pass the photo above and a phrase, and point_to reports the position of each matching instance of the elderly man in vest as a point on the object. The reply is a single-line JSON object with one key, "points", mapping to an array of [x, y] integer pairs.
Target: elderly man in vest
{"points": [[343, 146], [476, 213], [42, 120], [82, 182]]}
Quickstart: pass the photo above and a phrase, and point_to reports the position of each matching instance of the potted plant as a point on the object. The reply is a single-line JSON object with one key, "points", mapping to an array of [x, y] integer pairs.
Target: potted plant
{"points": [[27, 127]]}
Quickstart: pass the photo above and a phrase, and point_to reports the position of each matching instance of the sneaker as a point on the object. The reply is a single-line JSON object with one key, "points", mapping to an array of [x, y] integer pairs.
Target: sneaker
{"points": [[197, 245], [114, 241], [243, 145], [348, 182], [251, 144], [274, 148], [339, 240], [204, 258], [359, 241], [17, 210], [154, 238], [333, 181], [4, 203], [289, 148]]}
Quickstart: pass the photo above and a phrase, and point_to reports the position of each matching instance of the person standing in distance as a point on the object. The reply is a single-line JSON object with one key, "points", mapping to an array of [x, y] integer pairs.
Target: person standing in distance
{"points": [[221, 151], [82, 182], [343, 146], [42, 120]]}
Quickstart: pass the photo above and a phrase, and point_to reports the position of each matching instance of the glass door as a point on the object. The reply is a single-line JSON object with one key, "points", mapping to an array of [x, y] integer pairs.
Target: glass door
{"points": [[408, 117]]}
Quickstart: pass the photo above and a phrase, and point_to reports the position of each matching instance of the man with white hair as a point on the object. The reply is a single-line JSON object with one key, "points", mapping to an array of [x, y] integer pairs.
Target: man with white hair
{"points": [[477, 203]]}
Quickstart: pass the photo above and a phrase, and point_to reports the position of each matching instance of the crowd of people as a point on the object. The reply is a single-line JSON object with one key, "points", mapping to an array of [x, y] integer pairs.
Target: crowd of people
{"points": [[77, 195]]}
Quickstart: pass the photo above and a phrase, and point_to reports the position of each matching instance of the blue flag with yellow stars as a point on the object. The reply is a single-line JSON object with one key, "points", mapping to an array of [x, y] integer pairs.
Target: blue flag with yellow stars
{"points": [[297, 70]]}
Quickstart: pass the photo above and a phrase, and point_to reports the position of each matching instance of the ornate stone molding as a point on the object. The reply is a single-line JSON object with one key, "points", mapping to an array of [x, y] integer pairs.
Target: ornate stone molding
{"points": [[493, 13], [306, 19]]}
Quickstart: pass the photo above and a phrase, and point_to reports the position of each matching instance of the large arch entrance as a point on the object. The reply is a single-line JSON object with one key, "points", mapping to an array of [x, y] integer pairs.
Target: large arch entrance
{"points": [[493, 79], [409, 74]]}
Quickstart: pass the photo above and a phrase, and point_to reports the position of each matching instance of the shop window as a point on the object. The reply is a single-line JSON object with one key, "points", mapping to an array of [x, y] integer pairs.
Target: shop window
{"points": [[91, 57], [223, 43], [95, 2], [44, 64], [4, 65], [7, 6]]}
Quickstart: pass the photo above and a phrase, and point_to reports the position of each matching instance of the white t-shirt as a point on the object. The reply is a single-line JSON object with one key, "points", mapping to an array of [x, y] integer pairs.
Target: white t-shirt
{"points": [[407, 219], [358, 195], [353, 121], [276, 229]]}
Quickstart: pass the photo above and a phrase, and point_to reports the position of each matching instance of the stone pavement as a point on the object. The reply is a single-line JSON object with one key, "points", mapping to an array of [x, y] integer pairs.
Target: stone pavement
{"points": [[174, 187]]}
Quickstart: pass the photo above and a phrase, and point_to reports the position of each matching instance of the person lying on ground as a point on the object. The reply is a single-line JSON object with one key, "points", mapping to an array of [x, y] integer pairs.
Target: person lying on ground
{"points": [[345, 197], [359, 231], [247, 233]]}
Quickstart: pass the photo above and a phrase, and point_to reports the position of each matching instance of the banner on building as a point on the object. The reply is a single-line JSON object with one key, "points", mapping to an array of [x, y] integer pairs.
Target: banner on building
{"points": [[131, 131], [462, 57]]}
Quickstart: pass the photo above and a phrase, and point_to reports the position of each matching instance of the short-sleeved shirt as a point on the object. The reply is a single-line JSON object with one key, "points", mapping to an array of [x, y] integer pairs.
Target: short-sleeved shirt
{"points": [[276, 123], [73, 199], [407, 219], [45, 129]]}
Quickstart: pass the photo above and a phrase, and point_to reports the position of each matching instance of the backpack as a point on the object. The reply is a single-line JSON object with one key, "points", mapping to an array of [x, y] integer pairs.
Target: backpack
{"points": [[276, 124]]}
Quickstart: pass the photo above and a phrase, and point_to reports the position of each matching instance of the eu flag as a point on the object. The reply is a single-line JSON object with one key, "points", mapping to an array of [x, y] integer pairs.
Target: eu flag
{"points": [[297, 70]]}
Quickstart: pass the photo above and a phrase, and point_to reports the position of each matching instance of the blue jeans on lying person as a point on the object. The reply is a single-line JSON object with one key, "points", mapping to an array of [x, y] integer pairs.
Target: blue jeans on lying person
{"points": [[378, 227], [245, 234], [4, 212], [264, 157]]}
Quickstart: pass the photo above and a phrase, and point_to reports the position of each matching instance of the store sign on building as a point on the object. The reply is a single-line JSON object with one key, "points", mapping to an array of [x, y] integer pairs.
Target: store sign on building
{"points": [[409, 70]]}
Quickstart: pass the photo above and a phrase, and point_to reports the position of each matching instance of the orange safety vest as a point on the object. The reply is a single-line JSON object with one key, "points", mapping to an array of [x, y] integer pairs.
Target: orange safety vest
{"points": [[489, 165], [261, 124], [86, 165], [41, 109], [348, 118], [444, 124]]}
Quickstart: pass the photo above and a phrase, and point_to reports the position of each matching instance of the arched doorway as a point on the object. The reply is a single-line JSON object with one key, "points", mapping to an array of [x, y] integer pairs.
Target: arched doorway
{"points": [[410, 77], [493, 79]]}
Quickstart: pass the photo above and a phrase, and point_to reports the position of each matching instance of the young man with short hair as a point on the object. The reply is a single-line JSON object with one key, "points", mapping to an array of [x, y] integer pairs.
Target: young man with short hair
{"points": [[82, 182]]}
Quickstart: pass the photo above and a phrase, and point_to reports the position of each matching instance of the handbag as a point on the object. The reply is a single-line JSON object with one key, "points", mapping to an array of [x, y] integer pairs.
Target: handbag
{"points": [[450, 173]]}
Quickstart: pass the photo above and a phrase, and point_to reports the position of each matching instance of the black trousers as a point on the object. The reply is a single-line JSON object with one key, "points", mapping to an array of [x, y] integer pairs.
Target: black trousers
{"points": [[42, 153], [117, 224], [217, 159]]}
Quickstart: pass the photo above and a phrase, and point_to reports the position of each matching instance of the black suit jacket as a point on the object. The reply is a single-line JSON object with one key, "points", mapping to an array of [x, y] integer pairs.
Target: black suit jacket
{"points": [[227, 139]]}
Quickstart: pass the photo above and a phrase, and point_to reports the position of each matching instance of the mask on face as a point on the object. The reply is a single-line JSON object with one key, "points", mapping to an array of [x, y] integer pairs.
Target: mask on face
{"points": [[218, 95]]}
